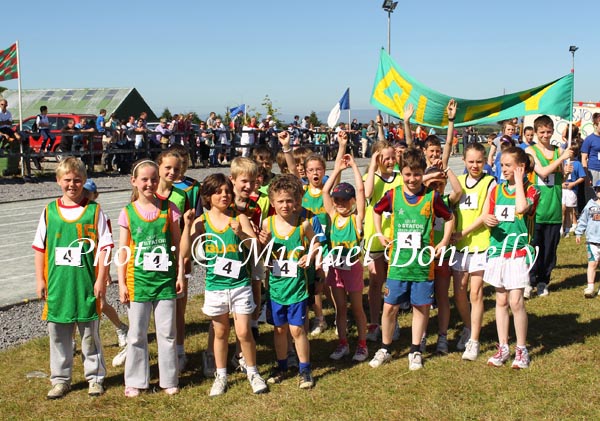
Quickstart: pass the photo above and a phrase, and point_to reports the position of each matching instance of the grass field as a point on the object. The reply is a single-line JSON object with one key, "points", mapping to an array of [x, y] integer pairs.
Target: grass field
{"points": [[562, 382]]}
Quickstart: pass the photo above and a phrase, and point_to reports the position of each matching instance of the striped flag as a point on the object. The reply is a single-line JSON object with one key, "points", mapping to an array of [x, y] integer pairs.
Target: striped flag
{"points": [[8, 63]]}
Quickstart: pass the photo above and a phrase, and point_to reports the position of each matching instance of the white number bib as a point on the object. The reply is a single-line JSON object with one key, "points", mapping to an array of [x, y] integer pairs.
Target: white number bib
{"points": [[548, 181], [504, 213], [468, 201], [227, 267], [67, 256], [409, 240], [156, 262], [285, 268]]}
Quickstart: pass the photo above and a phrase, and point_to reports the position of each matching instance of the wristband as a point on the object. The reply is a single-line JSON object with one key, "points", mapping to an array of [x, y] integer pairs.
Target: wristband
{"points": [[286, 150], [451, 119]]}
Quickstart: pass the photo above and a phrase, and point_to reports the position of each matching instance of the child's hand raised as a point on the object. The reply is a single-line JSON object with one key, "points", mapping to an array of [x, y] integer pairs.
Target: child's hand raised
{"points": [[451, 109], [342, 138], [284, 139], [188, 217], [409, 109], [519, 174]]}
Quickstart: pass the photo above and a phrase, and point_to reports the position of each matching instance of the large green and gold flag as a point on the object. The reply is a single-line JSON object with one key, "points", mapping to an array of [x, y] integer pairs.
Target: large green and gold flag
{"points": [[8, 63], [394, 88]]}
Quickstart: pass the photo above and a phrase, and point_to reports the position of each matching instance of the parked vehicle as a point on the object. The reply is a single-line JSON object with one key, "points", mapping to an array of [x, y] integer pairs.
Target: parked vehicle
{"points": [[57, 122]]}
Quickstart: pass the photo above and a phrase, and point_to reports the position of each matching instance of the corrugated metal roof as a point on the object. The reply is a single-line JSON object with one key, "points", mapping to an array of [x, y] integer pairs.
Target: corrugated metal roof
{"points": [[77, 101]]}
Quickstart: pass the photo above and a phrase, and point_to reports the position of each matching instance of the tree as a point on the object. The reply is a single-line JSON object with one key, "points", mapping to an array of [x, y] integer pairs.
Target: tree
{"points": [[166, 114], [313, 119], [2, 89], [268, 105]]}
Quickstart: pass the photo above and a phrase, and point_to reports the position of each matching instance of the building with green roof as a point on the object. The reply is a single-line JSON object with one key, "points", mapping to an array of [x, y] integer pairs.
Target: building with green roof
{"points": [[121, 101]]}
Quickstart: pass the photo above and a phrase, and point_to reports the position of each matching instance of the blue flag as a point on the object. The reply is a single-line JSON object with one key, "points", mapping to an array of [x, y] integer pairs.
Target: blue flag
{"points": [[236, 110], [343, 104]]}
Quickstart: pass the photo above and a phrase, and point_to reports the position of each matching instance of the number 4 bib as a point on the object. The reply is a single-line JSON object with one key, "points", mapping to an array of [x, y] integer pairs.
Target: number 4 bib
{"points": [[468, 201], [504, 213], [285, 268], [227, 267]]}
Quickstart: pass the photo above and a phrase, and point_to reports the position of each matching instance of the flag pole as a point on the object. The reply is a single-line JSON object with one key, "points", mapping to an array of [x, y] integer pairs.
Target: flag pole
{"points": [[20, 110]]}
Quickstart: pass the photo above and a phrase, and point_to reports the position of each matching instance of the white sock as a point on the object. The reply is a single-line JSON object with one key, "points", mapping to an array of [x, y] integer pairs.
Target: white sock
{"points": [[250, 370], [222, 372]]}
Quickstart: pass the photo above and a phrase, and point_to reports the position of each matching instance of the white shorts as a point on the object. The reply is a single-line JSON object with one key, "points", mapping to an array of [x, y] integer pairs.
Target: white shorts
{"points": [[469, 262], [569, 198], [225, 301], [593, 252], [507, 273]]}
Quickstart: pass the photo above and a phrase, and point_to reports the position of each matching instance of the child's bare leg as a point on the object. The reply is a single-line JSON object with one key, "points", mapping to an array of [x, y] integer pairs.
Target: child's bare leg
{"points": [[280, 340], [441, 285], [419, 323], [517, 305], [245, 338], [110, 312], [388, 322], [377, 273], [301, 342], [476, 304], [341, 316], [591, 272], [461, 280], [502, 316], [359, 314], [221, 328]]}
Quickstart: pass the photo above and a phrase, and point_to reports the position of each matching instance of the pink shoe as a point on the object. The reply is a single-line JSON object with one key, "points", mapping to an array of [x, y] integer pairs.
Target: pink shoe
{"points": [[132, 392]]}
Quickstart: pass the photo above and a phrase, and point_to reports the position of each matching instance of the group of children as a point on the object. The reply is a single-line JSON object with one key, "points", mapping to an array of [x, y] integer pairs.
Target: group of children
{"points": [[300, 235]]}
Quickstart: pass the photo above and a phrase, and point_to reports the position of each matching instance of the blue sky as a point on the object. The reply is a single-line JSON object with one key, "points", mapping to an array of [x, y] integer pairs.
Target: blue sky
{"points": [[203, 56]]}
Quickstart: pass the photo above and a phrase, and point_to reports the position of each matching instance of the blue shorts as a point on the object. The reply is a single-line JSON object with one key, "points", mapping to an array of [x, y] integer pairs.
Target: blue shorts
{"points": [[293, 314], [417, 293]]}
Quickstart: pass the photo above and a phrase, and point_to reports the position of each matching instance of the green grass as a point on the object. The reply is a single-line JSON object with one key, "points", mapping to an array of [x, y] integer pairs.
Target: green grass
{"points": [[561, 383]]}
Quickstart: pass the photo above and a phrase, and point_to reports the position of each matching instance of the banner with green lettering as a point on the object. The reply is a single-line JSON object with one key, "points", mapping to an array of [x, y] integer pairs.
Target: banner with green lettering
{"points": [[394, 88]]}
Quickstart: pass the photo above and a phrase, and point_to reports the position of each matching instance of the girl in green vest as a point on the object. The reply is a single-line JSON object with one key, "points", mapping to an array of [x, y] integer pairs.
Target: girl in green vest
{"points": [[149, 280], [216, 237], [345, 205], [510, 214], [170, 169]]}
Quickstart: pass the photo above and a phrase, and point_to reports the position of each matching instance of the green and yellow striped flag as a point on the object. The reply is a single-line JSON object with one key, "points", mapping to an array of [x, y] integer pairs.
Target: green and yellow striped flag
{"points": [[393, 89], [8, 63]]}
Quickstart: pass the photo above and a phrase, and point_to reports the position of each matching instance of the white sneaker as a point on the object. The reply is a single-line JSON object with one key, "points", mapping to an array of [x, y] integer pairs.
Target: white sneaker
{"points": [[380, 357], [239, 363], [120, 358], [441, 347], [542, 290], [464, 338], [219, 386], [319, 326], [527, 292], [500, 357], [471, 351], [361, 354], [208, 365], [415, 361], [588, 292], [521, 360], [122, 335], [340, 352], [258, 384], [373, 333]]}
